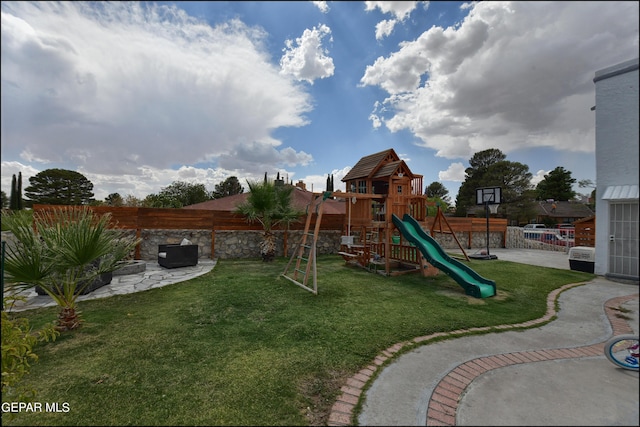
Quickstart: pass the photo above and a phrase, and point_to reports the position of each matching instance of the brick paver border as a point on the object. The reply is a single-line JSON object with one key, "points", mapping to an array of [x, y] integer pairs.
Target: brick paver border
{"points": [[447, 393]]}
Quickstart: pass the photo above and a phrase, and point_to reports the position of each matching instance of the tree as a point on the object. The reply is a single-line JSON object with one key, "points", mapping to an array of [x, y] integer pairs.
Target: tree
{"points": [[114, 199], [329, 186], [20, 203], [186, 193], [478, 165], [133, 201], [482, 160], [15, 203], [556, 185], [63, 252], [270, 205], [177, 195], [436, 189], [59, 187], [433, 210], [228, 187], [586, 183], [161, 201], [4, 199], [583, 183], [489, 168]]}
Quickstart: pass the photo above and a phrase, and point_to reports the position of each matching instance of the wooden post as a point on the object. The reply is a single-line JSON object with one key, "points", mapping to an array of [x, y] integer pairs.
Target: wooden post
{"points": [[285, 239], [213, 242], [137, 251]]}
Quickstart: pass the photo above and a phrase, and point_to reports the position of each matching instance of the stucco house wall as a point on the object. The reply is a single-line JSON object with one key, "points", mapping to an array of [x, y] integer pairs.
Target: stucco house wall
{"points": [[616, 249]]}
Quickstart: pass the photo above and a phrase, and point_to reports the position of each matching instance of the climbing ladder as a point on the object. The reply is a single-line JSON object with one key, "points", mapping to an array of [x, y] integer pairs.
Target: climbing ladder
{"points": [[305, 252]]}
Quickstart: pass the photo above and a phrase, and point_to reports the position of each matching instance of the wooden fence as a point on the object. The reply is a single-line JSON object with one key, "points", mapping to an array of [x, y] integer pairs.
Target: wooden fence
{"points": [[138, 218], [585, 232]]}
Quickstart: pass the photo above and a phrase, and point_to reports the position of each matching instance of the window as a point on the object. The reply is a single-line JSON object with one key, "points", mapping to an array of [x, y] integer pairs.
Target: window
{"points": [[399, 189], [362, 186]]}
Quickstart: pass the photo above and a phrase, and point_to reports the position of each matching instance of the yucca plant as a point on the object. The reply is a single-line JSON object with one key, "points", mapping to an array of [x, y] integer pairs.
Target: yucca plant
{"points": [[269, 205], [63, 252]]}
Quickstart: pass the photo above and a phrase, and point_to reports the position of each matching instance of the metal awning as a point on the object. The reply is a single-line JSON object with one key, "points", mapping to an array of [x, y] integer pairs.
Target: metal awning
{"points": [[621, 192]]}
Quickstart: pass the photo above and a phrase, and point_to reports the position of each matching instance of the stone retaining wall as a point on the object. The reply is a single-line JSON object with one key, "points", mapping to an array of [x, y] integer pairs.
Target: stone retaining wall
{"points": [[245, 244], [233, 243]]}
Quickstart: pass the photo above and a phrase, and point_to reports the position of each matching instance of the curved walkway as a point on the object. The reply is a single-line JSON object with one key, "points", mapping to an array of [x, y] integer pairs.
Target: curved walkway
{"points": [[154, 276], [408, 396]]}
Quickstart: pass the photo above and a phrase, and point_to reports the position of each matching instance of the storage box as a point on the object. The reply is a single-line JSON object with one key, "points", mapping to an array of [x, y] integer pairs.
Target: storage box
{"points": [[346, 240], [582, 258]]}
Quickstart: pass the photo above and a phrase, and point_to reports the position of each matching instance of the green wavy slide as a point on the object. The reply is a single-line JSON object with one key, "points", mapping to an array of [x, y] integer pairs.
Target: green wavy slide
{"points": [[472, 283]]}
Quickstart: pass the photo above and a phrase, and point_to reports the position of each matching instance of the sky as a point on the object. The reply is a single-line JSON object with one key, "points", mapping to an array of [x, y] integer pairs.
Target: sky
{"points": [[138, 95]]}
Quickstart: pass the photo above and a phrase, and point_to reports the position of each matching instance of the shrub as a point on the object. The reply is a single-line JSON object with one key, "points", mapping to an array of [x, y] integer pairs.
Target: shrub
{"points": [[63, 252], [18, 341]]}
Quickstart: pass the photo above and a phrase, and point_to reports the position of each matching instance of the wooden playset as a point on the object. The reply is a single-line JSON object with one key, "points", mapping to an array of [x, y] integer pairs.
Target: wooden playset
{"points": [[379, 186]]}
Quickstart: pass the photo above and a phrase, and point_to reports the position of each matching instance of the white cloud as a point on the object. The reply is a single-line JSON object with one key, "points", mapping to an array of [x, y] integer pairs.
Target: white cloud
{"points": [[307, 59], [539, 176], [399, 9], [375, 121], [131, 91], [512, 75], [322, 5], [256, 157], [455, 173], [384, 28]]}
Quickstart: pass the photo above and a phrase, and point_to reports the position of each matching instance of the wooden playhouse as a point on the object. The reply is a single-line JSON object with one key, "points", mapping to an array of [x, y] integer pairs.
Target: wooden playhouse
{"points": [[378, 186]]}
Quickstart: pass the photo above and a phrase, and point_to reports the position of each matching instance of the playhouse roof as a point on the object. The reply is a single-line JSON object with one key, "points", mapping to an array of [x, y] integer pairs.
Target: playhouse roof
{"points": [[382, 164]]}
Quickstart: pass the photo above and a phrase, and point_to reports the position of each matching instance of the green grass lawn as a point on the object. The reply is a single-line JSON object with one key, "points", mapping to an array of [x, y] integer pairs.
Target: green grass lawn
{"points": [[243, 346]]}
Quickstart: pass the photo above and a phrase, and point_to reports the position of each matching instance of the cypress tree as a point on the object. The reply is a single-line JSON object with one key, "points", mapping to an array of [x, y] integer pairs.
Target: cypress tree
{"points": [[13, 202], [19, 191]]}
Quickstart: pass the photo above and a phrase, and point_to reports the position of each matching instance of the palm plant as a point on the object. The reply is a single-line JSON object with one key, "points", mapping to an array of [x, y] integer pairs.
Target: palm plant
{"points": [[63, 252], [270, 205]]}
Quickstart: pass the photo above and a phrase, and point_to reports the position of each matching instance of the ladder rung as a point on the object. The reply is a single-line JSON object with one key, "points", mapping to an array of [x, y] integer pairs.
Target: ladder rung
{"points": [[306, 246], [303, 258], [301, 271]]}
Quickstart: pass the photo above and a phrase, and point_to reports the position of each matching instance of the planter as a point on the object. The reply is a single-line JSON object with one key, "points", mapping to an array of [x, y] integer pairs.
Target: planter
{"points": [[100, 281], [131, 267]]}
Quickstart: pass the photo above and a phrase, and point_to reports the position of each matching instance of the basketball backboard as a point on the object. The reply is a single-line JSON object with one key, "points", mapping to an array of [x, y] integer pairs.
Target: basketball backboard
{"points": [[488, 195]]}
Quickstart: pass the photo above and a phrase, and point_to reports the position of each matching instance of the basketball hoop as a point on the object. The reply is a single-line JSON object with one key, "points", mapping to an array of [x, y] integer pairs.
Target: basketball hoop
{"points": [[490, 197]]}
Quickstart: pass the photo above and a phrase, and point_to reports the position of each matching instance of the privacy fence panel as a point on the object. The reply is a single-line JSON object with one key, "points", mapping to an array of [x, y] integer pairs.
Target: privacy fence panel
{"points": [[225, 234]]}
